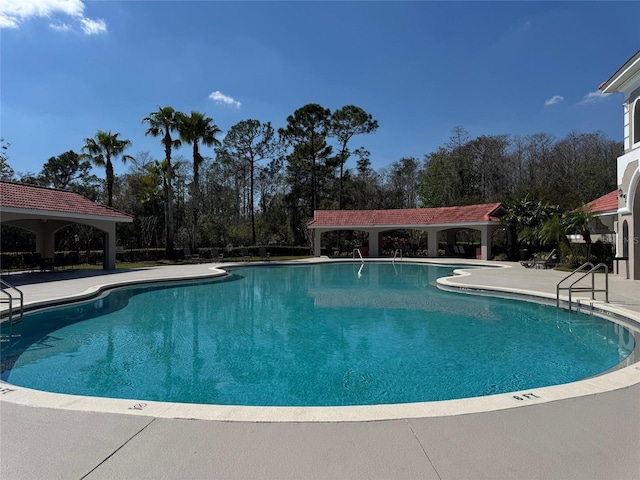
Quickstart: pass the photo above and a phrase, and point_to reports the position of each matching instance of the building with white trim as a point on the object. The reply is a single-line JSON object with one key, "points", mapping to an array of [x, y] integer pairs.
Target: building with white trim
{"points": [[627, 81]]}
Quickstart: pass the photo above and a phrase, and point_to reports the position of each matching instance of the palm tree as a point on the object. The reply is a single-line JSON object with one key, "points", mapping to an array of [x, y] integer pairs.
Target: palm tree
{"points": [[556, 229], [101, 149], [193, 129], [554, 232], [577, 222], [161, 124], [524, 219]]}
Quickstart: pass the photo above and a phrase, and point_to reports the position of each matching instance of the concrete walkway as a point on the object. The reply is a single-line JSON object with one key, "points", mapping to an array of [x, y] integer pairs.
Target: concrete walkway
{"points": [[592, 434]]}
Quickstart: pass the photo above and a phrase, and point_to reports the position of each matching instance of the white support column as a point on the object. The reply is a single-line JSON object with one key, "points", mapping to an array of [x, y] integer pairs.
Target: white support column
{"points": [[109, 253], [485, 242], [374, 247], [47, 241], [38, 231], [317, 246], [432, 242]]}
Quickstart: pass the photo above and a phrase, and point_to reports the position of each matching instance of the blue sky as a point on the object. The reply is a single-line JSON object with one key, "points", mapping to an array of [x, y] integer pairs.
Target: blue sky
{"points": [[70, 68]]}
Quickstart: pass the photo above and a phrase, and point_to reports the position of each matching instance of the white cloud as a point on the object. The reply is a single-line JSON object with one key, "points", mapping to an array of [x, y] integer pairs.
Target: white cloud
{"points": [[553, 100], [220, 97], [593, 97], [93, 27], [15, 12], [60, 27]]}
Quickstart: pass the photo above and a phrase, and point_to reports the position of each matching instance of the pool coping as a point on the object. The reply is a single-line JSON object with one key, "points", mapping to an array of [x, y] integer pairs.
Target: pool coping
{"points": [[619, 379]]}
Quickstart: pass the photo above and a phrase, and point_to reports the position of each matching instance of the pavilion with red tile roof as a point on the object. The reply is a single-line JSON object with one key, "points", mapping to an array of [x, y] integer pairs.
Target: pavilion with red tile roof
{"points": [[605, 211], [44, 211], [484, 217]]}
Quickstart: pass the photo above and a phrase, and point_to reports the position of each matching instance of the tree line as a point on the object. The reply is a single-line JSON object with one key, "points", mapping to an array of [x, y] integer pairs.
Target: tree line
{"points": [[257, 185]]}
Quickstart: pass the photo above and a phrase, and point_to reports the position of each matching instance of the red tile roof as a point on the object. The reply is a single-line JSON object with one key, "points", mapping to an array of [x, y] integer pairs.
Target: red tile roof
{"points": [[487, 212], [32, 197], [605, 203]]}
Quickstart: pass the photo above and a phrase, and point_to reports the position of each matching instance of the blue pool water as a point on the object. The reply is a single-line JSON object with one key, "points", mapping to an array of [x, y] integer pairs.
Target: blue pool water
{"points": [[324, 334]]}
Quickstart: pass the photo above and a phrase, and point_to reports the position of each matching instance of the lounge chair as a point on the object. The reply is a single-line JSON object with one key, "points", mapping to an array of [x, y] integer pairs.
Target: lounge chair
{"points": [[245, 254], [549, 262], [216, 254], [190, 257], [528, 263], [264, 255]]}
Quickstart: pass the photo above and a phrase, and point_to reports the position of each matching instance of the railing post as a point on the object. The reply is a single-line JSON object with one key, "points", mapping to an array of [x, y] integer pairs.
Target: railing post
{"points": [[558, 288], [9, 338]]}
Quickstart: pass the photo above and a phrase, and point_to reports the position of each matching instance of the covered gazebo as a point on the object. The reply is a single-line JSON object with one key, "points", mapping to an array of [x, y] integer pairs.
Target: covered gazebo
{"points": [[484, 217], [44, 211]]}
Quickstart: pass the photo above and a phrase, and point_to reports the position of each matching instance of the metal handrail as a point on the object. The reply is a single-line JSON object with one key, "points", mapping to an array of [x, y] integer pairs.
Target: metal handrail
{"points": [[4, 285], [398, 250], [7, 339], [592, 288], [558, 288], [357, 250]]}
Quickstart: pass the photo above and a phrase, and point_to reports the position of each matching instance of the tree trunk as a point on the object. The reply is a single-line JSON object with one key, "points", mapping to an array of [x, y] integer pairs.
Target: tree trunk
{"points": [[253, 219], [196, 195], [169, 203], [109, 173]]}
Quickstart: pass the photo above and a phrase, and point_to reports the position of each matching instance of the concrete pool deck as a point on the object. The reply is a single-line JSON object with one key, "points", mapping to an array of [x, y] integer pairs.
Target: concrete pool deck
{"points": [[589, 429]]}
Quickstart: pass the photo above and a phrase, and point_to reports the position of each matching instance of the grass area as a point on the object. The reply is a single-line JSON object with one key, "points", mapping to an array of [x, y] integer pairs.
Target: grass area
{"points": [[164, 263]]}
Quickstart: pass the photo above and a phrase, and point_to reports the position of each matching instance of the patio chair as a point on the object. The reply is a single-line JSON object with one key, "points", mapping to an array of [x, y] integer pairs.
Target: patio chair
{"points": [[38, 262], [264, 255], [549, 262], [28, 261], [528, 263], [6, 262], [452, 250], [59, 261], [245, 254], [188, 256], [73, 259], [216, 254]]}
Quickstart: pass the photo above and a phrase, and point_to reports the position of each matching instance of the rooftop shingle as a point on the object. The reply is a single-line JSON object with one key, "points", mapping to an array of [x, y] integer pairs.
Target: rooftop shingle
{"points": [[414, 216], [605, 203], [33, 197]]}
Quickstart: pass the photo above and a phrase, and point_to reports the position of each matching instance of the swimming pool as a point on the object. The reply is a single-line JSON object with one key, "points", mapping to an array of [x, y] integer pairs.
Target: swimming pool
{"points": [[328, 334]]}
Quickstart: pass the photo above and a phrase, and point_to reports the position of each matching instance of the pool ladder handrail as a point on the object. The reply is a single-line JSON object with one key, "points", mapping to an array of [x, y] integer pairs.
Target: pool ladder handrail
{"points": [[398, 250], [592, 271], [357, 250], [9, 298]]}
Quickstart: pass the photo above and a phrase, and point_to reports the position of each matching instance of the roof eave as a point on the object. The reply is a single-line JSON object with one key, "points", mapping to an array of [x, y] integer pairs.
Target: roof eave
{"points": [[410, 226], [31, 212], [621, 76], [606, 212]]}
